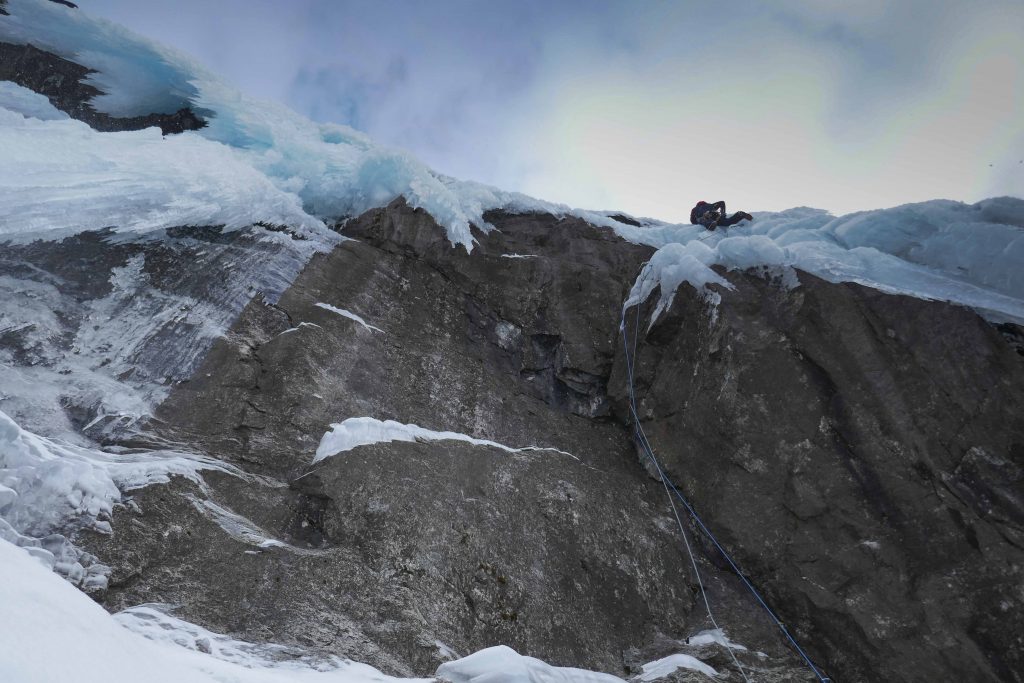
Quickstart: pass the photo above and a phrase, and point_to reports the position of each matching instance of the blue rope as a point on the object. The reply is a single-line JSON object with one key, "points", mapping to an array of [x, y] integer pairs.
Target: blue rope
{"points": [[646, 445]]}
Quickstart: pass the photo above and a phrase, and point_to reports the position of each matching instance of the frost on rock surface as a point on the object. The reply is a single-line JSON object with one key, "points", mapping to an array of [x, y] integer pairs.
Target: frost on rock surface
{"points": [[48, 487]]}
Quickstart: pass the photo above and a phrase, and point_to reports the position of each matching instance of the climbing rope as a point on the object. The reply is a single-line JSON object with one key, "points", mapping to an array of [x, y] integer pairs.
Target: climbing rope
{"points": [[670, 489], [642, 437]]}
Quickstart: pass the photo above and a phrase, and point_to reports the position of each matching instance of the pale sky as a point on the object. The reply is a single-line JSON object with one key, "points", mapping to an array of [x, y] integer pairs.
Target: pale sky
{"points": [[645, 106]]}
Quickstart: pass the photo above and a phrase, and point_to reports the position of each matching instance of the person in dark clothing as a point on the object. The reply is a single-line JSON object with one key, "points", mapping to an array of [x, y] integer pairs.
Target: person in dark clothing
{"points": [[713, 216]]}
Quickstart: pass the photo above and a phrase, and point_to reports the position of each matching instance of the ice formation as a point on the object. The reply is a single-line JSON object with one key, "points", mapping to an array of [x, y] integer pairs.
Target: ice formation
{"points": [[260, 162], [264, 158], [117, 353], [48, 487], [970, 255], [59, 177], [363, 431]]}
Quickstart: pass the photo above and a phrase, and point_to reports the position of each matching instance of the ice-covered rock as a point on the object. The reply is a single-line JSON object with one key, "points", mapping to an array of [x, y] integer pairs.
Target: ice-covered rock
{"points": [[949, 251]]}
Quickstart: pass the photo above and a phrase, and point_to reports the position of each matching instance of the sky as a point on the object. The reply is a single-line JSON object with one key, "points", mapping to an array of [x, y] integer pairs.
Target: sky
{"points": [[644, 106]]}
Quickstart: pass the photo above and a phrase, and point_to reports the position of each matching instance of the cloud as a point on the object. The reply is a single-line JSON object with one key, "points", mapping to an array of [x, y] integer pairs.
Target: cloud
{"points": [[867, 109], [646, 107]]}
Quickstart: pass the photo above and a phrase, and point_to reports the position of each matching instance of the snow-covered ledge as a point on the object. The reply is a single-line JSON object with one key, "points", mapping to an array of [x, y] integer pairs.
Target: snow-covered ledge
{"points": [[362, 431]]}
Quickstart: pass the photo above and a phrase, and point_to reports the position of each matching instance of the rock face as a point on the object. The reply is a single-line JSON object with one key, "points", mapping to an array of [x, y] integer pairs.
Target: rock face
{"points": [[402, 546], [858, 453], [862, 455]]}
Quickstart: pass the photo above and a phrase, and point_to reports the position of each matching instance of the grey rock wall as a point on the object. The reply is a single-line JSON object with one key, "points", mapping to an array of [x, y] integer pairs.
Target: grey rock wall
{"points": [[862, 455], [857, 452]]}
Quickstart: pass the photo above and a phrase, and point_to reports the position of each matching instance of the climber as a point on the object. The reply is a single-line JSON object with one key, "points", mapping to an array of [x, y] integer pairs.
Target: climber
{"points": [[713, 216]]}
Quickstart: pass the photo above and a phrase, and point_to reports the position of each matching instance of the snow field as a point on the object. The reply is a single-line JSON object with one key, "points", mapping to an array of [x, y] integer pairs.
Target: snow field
{"points": [[51, 631]]}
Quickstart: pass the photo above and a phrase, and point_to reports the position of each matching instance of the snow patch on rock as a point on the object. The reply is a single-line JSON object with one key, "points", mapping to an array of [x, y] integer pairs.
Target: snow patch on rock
{"points": [[714, 635], [502, 664], [350, 315], [363, 431], [653, 671]]}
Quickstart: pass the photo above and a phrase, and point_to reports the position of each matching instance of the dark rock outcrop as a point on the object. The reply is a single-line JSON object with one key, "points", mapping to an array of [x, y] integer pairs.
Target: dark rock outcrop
{"points": [[862, 454], [622, 218], [62, 82]]}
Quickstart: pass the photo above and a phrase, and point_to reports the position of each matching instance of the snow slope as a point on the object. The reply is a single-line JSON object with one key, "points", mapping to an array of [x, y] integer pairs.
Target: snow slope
{"points": [[50, 631]]}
